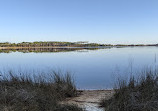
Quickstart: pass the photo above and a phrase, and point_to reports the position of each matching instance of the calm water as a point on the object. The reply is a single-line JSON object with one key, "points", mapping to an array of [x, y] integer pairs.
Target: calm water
{"points": [[92, 68]]}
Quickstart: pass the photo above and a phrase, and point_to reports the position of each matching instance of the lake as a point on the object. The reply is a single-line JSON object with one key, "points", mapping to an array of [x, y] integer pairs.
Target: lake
{"points": [[92, 68]]}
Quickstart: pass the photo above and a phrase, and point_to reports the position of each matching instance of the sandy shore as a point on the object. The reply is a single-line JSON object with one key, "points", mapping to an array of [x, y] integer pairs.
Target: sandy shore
{"points": [[89, 99]]}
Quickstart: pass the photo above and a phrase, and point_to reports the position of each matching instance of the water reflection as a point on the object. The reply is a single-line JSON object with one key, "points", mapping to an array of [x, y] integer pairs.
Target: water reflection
{"points": [[93, 68], [42, 50]]}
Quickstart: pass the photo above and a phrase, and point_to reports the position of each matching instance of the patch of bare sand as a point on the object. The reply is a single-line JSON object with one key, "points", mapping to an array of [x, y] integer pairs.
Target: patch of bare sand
{"points": [[89, 99]]}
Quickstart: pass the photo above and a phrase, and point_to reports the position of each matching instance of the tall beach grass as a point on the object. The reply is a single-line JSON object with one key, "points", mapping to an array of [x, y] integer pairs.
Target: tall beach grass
{"points": [[22, 92], [137, 94]]}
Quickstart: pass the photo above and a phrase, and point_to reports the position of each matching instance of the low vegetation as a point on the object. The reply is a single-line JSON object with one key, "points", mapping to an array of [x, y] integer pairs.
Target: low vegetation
{"points": [[63, 44], [23, 92], [50, 44], [135, 95]]}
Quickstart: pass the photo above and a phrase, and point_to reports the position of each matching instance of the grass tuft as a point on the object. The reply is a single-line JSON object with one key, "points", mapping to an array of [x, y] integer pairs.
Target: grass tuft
{"points": [[22, 92], [136, 95]]}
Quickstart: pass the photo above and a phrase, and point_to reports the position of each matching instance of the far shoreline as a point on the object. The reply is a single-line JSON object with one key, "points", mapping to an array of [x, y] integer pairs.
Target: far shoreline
{"points": [[116, 46]]}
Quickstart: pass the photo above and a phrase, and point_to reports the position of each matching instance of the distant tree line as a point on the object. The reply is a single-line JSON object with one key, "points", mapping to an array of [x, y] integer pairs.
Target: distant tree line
{"points": [[51, 44], [136, 45], [64, 44]]}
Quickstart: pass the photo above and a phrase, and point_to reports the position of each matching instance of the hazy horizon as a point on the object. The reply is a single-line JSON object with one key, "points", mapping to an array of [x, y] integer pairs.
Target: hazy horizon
{"points": [[96, 21]]}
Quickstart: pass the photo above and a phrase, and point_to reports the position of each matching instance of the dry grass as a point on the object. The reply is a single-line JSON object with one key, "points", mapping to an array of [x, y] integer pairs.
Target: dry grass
{"points": [[136, 95], [36, 93]]}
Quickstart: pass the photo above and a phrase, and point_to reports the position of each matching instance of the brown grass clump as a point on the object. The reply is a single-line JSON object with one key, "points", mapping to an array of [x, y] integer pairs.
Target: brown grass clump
{"points": [[36, 93], [135, 95]]}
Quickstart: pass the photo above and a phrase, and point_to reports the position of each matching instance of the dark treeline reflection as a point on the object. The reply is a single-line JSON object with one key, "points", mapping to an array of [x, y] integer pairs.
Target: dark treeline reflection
{"points": [[42, 50]]}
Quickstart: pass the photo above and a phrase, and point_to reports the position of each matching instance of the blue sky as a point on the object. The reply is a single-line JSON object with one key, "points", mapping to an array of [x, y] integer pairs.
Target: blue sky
{"points": [[102, 21]]}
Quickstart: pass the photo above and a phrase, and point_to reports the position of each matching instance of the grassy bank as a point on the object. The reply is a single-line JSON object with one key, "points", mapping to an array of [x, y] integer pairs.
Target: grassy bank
{"points": [[139, 94], [21, 92]]}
